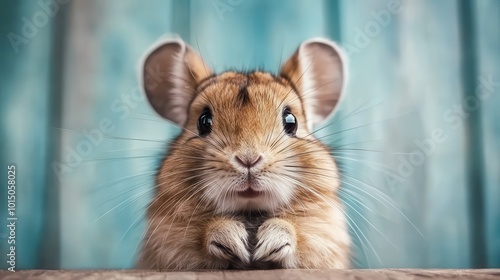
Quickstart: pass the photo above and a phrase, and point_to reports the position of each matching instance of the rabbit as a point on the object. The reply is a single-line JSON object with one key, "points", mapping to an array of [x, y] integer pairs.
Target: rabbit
{"points": [[245, 185]]}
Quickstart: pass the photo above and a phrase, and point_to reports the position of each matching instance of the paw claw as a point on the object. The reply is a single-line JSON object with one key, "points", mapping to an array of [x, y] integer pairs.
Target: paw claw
{"points": [[276, 243], [228, 242]]}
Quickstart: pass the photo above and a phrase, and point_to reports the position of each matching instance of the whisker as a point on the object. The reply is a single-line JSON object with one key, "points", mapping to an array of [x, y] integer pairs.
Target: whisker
{"points": [[114, 182], [386, 200]]}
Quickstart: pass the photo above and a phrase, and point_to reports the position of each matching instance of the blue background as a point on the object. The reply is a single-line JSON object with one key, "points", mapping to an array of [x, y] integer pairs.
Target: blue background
{"points": [[417, 134]]}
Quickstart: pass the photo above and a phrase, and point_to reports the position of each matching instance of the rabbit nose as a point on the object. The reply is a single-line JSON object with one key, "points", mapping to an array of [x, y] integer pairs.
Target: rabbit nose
{"points": [[248, 162]]}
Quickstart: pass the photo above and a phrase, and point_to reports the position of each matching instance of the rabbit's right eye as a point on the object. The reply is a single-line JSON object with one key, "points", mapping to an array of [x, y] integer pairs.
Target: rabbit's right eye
{"points": [[205, 122], [289, 122]]}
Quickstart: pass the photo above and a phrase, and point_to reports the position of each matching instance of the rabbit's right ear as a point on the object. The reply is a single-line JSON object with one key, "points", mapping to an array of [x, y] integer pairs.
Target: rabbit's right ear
{"points": [[170, 74], [318, 70]]}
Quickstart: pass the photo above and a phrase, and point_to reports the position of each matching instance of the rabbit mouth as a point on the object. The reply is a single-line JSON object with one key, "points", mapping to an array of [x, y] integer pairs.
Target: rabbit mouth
{"points": [[250, 189], [249, 193]]}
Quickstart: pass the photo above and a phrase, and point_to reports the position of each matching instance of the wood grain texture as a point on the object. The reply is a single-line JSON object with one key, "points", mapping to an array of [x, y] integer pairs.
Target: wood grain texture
{"points": [[382, 274]]}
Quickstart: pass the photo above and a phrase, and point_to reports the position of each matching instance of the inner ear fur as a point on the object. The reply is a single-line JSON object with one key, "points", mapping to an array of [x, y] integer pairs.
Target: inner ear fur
{"points": [[171, 72]]}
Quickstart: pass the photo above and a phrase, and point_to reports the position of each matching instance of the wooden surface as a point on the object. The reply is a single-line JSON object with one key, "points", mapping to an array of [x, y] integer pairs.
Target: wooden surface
{"points": [[408, 274]]}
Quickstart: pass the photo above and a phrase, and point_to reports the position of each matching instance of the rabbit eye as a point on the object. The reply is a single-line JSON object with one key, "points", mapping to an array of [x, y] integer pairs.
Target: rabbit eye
{"points": [[205, 122], [289, 122]]}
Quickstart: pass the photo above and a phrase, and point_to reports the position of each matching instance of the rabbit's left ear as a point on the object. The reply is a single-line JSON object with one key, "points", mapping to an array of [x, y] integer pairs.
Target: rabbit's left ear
{"points": [[171, 72], [317, 69]]}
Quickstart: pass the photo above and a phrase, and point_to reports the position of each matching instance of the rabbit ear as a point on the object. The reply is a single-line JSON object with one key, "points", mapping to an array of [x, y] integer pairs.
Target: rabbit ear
{"points": [[170, 74], [317, 69]]}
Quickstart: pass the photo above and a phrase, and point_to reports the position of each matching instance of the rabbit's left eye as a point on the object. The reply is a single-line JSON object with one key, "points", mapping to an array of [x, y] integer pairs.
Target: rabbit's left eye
{"points": [[205, 122], [289, 122]]}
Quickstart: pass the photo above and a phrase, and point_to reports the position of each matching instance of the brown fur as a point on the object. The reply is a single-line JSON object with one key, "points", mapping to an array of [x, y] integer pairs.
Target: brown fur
{"points": [[187, 219]]}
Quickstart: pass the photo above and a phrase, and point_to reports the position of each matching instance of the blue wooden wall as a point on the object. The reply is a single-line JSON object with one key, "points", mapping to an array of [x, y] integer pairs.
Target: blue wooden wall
{"points": [[417, 135]]}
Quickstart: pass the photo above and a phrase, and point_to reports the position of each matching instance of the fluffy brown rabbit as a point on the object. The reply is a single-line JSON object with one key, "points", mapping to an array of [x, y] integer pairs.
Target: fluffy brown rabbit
{"points": [[246, 184]]}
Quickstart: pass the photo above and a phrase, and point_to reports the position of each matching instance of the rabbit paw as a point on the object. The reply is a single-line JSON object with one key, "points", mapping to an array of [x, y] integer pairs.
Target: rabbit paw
{"points": [[276, 243], [227, 240]]}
